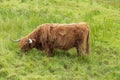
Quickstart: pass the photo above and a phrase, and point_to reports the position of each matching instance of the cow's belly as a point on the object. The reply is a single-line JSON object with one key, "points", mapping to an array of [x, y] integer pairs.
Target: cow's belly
{"points": [[64, 43]]}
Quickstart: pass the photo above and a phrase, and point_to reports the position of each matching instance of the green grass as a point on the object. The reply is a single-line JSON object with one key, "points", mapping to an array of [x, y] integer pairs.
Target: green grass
{"points": [[19, 17]]}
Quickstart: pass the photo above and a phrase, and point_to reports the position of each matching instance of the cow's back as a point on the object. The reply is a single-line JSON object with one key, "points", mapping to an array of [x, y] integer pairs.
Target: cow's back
{"points": [[63, 36]]}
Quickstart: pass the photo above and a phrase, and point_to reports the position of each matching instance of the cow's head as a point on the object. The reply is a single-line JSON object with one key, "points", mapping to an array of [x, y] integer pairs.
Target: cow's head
{"points": [[26, 44]]}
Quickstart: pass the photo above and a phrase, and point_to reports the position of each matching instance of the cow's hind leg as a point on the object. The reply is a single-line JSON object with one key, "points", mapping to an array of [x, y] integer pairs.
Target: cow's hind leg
{"points": [[80, 47]]}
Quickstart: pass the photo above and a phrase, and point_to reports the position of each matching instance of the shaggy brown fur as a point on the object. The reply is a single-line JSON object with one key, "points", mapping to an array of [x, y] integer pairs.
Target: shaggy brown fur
{"points": [[58, 36]]}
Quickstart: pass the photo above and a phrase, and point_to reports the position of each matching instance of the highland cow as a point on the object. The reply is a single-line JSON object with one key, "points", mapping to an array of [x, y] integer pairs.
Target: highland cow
{"points": [[58, 36]]}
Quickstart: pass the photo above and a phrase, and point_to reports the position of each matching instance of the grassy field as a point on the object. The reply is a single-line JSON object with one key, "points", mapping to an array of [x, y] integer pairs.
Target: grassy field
{"points": [[19, 17]]}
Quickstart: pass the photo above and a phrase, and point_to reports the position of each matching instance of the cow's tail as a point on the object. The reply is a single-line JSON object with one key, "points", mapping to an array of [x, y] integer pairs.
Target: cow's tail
{"points": [[88, 42]]}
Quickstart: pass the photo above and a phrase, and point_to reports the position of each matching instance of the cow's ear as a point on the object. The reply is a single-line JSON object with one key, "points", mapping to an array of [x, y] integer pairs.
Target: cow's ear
{"points": [[34, 40], [30, 41]]}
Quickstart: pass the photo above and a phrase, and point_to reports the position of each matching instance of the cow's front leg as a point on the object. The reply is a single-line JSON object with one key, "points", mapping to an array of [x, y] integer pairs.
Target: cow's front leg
{"points": [[48, 50]]}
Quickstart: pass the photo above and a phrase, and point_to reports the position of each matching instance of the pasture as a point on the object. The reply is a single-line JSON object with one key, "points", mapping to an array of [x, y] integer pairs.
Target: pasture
{"points": [[19, 17]]}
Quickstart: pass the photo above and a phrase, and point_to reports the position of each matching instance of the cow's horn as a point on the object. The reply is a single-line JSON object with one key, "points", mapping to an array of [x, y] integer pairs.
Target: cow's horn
{"points": [[30, 40], [15, 40]]}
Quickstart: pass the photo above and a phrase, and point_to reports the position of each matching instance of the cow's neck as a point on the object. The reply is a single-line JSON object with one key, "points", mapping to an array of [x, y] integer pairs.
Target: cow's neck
{"points": [[33, 35]]}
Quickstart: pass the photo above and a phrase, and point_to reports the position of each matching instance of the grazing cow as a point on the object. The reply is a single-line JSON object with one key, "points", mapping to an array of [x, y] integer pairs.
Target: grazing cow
{"points": [[58, 36]]}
